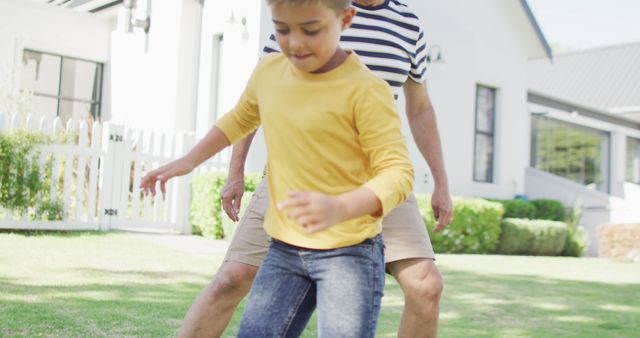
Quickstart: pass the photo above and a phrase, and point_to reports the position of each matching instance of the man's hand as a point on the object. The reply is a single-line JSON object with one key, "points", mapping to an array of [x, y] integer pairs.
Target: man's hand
{"points": [[313, 210], [232, 196], [178, 167], [442, 208]]}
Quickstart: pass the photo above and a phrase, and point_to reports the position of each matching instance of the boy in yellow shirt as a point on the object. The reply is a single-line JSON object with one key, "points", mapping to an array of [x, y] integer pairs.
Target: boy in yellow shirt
{"points": [[337, 163]]}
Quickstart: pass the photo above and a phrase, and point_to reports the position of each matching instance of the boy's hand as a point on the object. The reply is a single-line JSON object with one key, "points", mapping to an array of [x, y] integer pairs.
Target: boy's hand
{"points": [[232, 196], [163, 174], [313, 210]]}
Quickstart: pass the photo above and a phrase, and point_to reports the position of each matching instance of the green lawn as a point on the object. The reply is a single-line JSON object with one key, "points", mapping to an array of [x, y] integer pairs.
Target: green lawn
{"points": [[115, 284]]}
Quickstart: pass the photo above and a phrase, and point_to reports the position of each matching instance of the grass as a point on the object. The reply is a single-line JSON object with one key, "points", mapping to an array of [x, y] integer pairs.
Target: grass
{"points": [[115, 284]]}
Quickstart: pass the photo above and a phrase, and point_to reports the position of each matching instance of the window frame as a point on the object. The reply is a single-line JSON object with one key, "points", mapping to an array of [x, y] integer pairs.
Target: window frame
{"points": [[605, 168], [491, 134], [629, 140], [59, 97]]}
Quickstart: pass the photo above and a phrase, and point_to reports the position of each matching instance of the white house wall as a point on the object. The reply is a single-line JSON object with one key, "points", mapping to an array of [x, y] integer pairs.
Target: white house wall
{"points": [[154, 76], [224, 72], [163, 80], [494, 53], [46, 28]]}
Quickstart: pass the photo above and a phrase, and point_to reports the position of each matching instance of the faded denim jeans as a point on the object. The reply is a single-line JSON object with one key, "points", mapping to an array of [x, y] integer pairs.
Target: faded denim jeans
{"points": [[345, 285]]}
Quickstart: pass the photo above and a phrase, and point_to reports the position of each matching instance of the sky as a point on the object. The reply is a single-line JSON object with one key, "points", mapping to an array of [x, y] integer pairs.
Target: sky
{"points": [[584, 24]]}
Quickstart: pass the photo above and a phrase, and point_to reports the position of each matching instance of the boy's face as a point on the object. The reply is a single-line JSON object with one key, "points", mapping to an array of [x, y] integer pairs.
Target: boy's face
{"points": [[309, 34]]}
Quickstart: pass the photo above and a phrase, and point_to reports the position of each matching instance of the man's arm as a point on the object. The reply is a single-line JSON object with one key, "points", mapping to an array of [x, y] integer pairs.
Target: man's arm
{"points": [[422, 121], [234, 186]]}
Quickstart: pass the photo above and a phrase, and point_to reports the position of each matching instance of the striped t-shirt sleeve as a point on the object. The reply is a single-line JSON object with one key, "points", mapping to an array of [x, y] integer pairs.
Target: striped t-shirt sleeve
{"points": [[419, 59]]}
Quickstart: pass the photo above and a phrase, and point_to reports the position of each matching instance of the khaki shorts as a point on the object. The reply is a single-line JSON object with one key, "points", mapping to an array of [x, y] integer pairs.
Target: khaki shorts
{"points": [[403, 229]]}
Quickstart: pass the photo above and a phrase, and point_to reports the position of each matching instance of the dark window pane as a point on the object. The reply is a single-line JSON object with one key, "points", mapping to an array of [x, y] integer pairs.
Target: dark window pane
{"points": [[485, 108], [484, 133], [73, 85], [80, 79], [483, 168], [40, 72], [633, 160]]}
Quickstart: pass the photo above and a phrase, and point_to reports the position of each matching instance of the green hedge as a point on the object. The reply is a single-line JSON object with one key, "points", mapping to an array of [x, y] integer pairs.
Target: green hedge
{"points": [[536, 209], [549, 209], [207, 216], [518, 209], [532, 237], [475, 227]]}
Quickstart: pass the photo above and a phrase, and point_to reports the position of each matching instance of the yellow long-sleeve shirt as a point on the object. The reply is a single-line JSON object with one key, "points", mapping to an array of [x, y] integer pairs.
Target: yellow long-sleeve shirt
{"points": [[332, 133]]}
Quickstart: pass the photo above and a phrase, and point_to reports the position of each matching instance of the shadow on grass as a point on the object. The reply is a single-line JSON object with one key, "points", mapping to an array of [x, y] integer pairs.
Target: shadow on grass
{"points": [[142, 275], [477, 305], [152, 304], [94, 310]]}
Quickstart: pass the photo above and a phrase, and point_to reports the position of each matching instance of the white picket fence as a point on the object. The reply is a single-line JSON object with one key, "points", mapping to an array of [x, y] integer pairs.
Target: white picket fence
{"points": [[96, 177]]}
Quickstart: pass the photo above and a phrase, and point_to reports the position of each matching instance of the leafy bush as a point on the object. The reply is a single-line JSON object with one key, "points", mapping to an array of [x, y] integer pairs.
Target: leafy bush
{"points": [[206, 206], [532, 237], [24, 186], [577, 240], [619, 241], [518, 209], [475, 227], [549, 209]]}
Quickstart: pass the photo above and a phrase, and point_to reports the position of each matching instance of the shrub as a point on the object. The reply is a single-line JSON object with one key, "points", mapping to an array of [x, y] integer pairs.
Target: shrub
{"points": [[24, 185], [619, 241], [577, 240], [475, 227], [549, 209], [532, 237], [518, 209], [206, 206]]}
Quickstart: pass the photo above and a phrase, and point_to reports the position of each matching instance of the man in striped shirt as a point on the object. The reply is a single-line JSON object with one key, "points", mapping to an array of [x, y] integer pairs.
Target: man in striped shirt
{"points": [[389, 39]]}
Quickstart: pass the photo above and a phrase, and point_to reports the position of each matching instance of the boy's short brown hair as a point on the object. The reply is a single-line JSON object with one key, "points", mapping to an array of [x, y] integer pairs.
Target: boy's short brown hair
{"points": [[337, 5]]}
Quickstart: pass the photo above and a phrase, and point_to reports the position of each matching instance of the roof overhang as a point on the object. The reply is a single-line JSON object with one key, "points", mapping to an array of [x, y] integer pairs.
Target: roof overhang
{"points": [[548, 101], [534, 23], [91, 6]]}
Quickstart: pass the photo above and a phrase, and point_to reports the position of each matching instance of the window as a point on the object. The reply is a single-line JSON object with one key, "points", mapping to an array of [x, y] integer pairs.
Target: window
{"points": [[62, 86], [577, 153], [633, 160], [484, 134]]}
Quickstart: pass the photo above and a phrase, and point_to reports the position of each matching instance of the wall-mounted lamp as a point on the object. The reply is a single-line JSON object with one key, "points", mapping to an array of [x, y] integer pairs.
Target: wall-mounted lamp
{"points": [[232, 21], [131, 22], [245, 32], [434, 54]]}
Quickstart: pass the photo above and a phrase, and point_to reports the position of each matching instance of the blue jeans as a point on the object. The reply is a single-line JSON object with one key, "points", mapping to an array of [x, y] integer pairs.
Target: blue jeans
{"points": [[345, 285]]}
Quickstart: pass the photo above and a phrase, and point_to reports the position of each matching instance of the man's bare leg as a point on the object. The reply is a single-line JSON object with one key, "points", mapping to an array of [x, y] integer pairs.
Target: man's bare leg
{"points": [[422, 285], [213, 308]]}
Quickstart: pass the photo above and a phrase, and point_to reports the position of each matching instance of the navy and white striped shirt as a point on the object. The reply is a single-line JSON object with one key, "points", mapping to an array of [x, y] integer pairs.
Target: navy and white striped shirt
{"points": [[388, 39]]}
